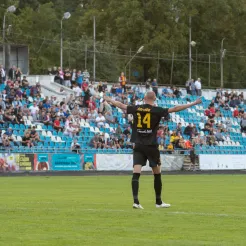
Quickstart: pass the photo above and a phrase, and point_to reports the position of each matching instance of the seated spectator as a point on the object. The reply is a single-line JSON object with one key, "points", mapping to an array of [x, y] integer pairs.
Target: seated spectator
{"points": [[128, 143], [91, 104], [241, 113], [57, 124], [127, 131], [34, 135], [236, 112], [188, 130], [34, 110], [227, 107], [109, 117], [197, 140], [161, 138], [75, 146], [179, 128], [211, 139], [177, 93], [24, 83], [70, 130], [100, 120], [6, 141], [118, 130], [218, 135], [161, 146], [243, 123], [1, 117], [170, 148], [26, 141], [234, 102]]}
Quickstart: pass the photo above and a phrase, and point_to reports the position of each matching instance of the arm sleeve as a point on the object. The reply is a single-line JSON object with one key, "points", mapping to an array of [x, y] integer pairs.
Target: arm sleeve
{"points": [[164, 112], [131, 109]]}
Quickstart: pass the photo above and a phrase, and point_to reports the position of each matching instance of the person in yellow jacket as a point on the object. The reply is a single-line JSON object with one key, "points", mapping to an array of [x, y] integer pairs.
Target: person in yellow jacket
{"points": [[122, 80]]}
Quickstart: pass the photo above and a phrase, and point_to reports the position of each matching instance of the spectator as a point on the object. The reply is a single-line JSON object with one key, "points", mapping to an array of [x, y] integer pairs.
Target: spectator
{"points": [[77, 90], [154, 86], [73, 76], [127, 131], [241, 113], [193, 88], [243, 123], [34, 110], [147, 85], [122, 80], [236, 112], [18, 73], [86, 76], [57, 124], [70, 130], [234, 102], [218, 135], [11, 74], [2, 74], [34, 135], [67, 78], [188, 87], [75, 146], [79, 78], [100, 120], [198, 86], [188, 129], [26, 140]]}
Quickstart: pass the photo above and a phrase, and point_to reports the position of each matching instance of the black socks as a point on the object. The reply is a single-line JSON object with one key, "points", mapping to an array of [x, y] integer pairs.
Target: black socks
{"points": [[158, 188], [135, 187]]}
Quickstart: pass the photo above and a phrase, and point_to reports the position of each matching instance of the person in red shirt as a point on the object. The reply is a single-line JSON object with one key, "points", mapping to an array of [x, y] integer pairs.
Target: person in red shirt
{"points": [[57, 124], [91, 104], [236, 113]]}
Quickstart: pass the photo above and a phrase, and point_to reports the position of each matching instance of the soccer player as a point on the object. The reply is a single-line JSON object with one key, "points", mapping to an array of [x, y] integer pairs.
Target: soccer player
{"points": [[146, 119]]}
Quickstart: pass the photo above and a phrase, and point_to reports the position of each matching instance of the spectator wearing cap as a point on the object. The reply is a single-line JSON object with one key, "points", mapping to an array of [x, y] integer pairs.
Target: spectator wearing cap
{"points": [[198, 86]]}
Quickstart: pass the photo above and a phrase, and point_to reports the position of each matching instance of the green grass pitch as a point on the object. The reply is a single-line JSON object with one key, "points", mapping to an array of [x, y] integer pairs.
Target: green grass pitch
{"points": [[97, 210]]}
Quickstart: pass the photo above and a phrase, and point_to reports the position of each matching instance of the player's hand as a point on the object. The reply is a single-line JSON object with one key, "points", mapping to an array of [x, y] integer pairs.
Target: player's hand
{"points": [[198, 101]]}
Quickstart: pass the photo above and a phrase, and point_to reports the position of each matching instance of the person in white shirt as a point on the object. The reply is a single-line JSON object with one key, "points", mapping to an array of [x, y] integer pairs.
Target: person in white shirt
{"points": [[139, 102], [100, 120], [70, 130], [78, 91], [198, 86], [34, 110]]}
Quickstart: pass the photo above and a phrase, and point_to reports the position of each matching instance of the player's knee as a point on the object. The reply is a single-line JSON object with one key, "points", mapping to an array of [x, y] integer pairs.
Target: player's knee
{"points": [[156, 170]]}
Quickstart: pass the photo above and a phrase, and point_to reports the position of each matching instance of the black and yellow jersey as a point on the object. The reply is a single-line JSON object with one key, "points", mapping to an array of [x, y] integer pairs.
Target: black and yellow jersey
{"points": [[146, 119]]}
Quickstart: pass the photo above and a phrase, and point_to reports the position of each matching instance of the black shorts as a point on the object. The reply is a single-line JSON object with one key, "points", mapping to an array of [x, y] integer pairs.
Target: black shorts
{"points": [[142, 153]]}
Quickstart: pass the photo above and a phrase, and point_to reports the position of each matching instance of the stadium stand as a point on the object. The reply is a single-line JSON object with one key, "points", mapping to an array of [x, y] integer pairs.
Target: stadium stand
{"points": [[31, 122]]}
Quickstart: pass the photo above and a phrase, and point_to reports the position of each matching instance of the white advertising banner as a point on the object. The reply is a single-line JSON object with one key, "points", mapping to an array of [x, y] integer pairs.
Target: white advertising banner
{"points": [[124, 162], [222, 162]]}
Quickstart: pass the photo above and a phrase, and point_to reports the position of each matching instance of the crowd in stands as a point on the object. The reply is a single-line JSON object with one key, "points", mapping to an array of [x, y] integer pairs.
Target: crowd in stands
{"points": [[20, 103]]}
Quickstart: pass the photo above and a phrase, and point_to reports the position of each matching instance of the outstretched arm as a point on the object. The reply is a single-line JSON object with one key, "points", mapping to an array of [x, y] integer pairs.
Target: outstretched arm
{"points": [[116, 103], [185, 106]]}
